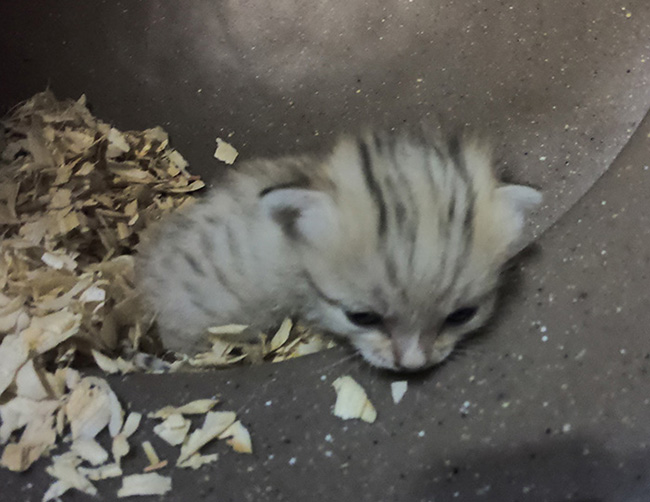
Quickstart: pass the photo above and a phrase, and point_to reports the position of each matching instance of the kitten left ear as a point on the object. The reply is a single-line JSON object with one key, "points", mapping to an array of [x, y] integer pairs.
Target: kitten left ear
{"points": [[521, 200], [302, 213]]}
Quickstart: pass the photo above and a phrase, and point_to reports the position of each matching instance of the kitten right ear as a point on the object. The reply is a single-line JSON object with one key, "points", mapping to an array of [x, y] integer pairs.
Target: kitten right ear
{"points": [[304, 214]]}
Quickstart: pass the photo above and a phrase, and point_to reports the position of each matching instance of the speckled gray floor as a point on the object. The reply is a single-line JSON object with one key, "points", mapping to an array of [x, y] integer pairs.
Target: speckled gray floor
{"points": [[553, 403]]}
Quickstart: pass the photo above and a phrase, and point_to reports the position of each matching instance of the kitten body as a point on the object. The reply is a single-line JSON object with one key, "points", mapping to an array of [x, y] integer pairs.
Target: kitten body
{"points": [[393, 241]]}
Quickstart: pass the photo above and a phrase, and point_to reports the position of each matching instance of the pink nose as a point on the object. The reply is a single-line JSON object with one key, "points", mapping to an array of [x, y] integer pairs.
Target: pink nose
{"points": [[411, 361], [408, 354]]}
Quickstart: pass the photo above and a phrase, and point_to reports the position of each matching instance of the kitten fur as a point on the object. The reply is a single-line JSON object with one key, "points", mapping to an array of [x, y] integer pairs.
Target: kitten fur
{"points": [[393, 241]]}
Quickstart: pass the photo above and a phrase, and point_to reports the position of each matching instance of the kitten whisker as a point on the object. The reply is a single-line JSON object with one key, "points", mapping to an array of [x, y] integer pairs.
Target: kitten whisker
{"points": [[343, 359]]}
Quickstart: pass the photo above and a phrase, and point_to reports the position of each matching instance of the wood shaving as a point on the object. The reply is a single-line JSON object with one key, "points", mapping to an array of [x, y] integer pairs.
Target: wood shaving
{"points": [[195, 461], [238, 437], [38, 436], [225, 152], [13, 354], [398, 389], [197, 407], [120, 448], [352, 401], [154, 460], [214, 424], [155, 467], [173, 429], [105, 471], [228, 329], [112, 366], [234, 343], [64, 469], [282, 335], [150, 483], [89, 450], [29, 384], [131, 423], [91, 407], [20, 412]]}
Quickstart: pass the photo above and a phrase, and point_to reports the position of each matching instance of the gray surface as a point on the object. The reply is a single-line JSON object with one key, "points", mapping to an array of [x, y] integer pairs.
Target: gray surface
{"points": [[559, 85], [591, 371], [563, 419]]}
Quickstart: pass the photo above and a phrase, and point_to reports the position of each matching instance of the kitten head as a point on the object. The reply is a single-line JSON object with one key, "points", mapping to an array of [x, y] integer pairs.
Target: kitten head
{"points": [[402, 252]]}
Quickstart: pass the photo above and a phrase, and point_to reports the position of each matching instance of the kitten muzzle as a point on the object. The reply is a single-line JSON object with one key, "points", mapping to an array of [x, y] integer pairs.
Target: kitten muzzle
{"points": [[407, 353]]}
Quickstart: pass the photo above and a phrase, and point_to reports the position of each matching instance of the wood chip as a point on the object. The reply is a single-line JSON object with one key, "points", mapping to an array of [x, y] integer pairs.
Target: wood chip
{"points": [[91, 407], [197, 407], [228, 329], [64, 468], [120, 448], [46, 332], [117, 144], [281, 335], [144, 484], [238, 437], [131, 423], [13, 354], [151, 454], [22, 412], [225, 152], [113, 366], [215, 423], [103, 472], [89, 450], [173, 429], [352, 401], [398, 389], [196, 461]]}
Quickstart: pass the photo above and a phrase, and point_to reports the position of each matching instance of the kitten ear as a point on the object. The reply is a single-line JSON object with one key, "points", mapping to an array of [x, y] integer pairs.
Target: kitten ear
{"points": [[521, 200], [303, 214]]}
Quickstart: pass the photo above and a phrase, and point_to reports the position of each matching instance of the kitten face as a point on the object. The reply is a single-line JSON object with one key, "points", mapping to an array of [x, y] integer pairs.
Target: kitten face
{"points": [[407, 326], [403, 257]]}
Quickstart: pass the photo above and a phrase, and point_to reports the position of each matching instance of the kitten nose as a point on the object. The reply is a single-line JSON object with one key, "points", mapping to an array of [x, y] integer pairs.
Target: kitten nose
{"points": [[408, 353]]}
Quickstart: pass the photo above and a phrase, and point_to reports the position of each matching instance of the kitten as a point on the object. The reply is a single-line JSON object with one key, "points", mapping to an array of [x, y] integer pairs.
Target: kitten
{"points": [[393, 241]]}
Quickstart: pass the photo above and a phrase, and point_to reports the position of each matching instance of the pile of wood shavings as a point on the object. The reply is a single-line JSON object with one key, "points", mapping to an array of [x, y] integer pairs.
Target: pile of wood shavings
{"points": [[75, 196]]}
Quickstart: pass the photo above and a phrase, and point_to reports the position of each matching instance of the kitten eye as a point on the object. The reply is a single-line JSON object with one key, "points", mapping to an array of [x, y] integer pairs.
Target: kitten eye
{"points": [[461, 316], [364, 319]]}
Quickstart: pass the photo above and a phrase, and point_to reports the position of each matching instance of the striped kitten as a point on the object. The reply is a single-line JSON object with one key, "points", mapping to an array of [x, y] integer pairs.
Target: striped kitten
{"points": [[395, 242]]}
